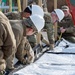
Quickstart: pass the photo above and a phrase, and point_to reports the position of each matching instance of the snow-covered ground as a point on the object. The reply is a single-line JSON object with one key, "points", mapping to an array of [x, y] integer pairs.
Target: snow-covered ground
{"points": [[53, 64]]}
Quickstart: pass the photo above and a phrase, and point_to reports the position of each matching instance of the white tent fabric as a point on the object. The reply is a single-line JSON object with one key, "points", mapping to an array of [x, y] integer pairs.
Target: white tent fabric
{"points": [[53, 64]]}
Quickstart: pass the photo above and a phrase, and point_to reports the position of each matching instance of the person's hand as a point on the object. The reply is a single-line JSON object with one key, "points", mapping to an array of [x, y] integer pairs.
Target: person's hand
{"points": [[62, 30], [51, 46]]}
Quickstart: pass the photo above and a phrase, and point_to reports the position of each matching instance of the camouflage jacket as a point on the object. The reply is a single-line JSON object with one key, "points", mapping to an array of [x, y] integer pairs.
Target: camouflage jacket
{"points": [[7, 39], [49, 27], [67, 24], [19, 29]]}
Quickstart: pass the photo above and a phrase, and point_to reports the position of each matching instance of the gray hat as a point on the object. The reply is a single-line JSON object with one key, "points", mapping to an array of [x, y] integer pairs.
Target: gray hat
{"points": [[65, 7]]}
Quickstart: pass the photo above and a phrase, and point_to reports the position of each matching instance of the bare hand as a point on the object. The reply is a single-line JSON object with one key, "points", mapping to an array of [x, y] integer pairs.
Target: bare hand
{"points": [[62, 30]]}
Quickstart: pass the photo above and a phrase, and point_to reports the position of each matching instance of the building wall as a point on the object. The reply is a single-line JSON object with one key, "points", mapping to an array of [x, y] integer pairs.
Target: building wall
{"points": [[50, 4]]}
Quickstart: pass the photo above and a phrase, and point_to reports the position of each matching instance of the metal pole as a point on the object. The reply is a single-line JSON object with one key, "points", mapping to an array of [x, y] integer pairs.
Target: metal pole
{"points": [[10, 5], [19, 5]]}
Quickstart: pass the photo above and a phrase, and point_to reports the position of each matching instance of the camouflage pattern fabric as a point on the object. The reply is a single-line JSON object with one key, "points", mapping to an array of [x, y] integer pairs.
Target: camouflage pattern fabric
{"points": [[23, 47], [69, 34], [49, 28], [7, 42], [50, 31]]}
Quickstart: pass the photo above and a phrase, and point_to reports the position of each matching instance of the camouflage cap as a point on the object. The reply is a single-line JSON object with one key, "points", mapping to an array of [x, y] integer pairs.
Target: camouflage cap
{"points": [[65, 7], [29, 23]]}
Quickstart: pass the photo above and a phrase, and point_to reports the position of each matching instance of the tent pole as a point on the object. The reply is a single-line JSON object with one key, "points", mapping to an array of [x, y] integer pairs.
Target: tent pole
{"points": [[10, 5], [19, 5], [55, 26]]}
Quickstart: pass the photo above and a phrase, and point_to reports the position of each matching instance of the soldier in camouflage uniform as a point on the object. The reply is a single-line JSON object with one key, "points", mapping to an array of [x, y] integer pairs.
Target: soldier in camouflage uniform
{"points": [[7, 44], [50, 20], [66, 26], [49, 29], [21, 29]]}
